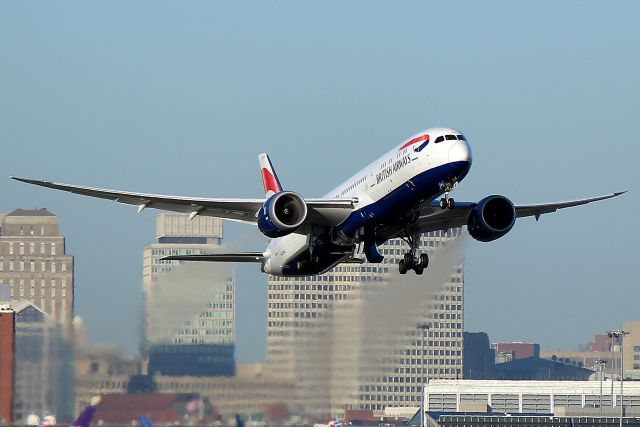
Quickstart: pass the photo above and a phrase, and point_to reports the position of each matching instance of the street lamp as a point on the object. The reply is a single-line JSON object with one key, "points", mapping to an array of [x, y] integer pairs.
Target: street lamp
{"points": [[619, 335], [425, 331], [600, 363]]}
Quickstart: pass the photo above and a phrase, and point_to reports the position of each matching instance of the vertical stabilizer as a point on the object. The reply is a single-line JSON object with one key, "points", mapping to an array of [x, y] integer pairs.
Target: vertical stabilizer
{"points": [[144, 421], [84, 419], [270, 180]]}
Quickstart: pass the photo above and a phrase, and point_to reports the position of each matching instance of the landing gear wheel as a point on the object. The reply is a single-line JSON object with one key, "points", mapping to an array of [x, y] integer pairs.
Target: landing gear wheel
{"points": [[424, 260], [402, 267], [408, 260], [443, 203], [450, 203], [418, 268]]}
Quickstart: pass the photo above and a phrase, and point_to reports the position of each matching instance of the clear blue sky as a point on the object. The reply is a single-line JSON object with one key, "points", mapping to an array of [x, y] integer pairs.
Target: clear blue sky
{"points": [[180, 97]]}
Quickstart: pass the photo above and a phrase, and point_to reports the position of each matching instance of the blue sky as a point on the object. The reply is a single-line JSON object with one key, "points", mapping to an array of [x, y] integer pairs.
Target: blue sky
{"points": [[179, 98]]}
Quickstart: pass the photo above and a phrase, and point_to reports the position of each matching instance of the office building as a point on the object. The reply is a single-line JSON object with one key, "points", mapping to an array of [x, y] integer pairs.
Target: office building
{"points": [[43, 365], [631, 348], [351, 338], [7, 360], [478, 356], [189, 326], [33, 261], [559, 398]]}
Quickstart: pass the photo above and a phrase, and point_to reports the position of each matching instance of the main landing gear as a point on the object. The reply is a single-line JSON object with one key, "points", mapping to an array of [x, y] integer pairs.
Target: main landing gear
{"points": [[411, 261]]}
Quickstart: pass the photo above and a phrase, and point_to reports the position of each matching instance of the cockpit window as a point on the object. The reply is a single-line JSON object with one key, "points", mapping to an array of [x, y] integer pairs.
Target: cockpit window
{"points": [[439, 139], [461, 137], [450, 137]]}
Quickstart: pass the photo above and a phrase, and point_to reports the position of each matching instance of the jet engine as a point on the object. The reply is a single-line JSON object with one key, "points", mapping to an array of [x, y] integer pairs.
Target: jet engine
{"points": [[491, 218], [281, 214]]}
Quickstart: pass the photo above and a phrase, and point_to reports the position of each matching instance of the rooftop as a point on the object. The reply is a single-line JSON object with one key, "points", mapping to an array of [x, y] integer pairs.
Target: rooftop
{"points": [[31, 212]]}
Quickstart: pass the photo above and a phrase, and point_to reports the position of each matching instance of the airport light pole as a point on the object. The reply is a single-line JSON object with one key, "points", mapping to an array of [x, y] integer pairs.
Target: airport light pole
{"points": [[425, 331], [600, 363], [619, 335]]}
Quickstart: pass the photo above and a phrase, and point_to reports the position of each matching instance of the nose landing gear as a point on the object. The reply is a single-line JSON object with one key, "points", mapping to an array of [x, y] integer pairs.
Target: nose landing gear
{"points": [[447, 202]]}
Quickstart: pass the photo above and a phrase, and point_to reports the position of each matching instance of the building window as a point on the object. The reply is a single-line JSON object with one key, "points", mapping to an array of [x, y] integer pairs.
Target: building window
{"points": [[64, 267], [21, 248], [10, 248], [53, 248], [42, 248], [32, 248]]}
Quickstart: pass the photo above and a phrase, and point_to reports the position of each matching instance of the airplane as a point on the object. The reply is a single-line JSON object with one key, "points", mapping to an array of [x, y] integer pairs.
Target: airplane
{"points": [[403, 194]]}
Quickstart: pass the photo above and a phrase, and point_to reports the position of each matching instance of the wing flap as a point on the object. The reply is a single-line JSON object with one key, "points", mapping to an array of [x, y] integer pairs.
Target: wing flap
{"points": [[432, 218], [537, 210], [229, 257], [234, 209]]}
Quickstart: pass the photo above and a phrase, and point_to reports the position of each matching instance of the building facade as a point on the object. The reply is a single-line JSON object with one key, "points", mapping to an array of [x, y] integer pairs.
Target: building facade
{"points": [[33, 261], [189, 307], [43, 365], [363, 337], [7, 361], [570, 398]]}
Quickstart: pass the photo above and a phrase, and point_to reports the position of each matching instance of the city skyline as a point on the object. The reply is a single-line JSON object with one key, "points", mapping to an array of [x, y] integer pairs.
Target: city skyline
{"points": [[87, 104]]}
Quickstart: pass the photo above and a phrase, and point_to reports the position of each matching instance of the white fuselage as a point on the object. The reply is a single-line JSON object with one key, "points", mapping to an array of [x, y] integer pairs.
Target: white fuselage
{"points": [[405, 166]]}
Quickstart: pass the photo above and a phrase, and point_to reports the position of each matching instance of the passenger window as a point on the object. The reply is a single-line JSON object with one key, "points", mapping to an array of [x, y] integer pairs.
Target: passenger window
{"points": [[450, 137], [439, 139], [462, 138]]}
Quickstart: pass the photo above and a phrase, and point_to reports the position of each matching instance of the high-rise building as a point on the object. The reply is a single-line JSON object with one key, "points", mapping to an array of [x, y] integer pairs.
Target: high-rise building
{"points": [[7, 361], [33, 261], [189, 326], [353, 338]]}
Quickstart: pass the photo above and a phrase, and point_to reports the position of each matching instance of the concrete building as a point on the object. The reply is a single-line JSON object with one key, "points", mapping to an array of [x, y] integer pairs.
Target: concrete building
{"points": [[33, 261], [101, 371], [350, 338], [43, 365], [631, 345], [518, 350], [586, 359], [189, 326], [7, 361], [560, 398]]}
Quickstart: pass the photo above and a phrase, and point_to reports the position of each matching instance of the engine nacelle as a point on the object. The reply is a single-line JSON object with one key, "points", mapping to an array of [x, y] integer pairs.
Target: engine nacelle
{"points": [[281, 214], [491, 218]]}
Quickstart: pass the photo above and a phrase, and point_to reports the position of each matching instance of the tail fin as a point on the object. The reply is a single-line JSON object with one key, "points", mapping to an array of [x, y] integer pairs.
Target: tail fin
{"points": [[270, 180], [84, 419], [239, 422], [144, 421]]}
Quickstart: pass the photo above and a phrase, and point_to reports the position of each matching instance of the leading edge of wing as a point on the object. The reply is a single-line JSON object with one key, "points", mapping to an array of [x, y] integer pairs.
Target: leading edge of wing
{"points": [[235, 209], [229, 257], [539, 209]]}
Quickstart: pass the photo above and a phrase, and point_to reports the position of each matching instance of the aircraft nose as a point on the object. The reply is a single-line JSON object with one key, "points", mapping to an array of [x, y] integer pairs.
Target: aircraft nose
{"points": [[460, 152]]}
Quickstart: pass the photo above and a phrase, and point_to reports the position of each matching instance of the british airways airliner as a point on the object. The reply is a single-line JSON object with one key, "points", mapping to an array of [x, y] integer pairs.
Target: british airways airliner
{"points": [[401, 195]]}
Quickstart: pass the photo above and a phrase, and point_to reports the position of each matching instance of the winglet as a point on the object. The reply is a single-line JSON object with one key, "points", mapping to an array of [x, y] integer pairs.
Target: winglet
{"points": [[270, 180]]}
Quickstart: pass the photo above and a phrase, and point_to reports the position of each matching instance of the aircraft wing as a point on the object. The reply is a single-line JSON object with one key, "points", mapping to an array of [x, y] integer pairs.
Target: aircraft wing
{"points": [[243, 210], [433, 218], [228, 257]]}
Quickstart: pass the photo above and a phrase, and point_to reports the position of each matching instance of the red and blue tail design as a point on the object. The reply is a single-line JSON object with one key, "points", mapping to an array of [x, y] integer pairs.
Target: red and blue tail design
{"points": [[270, 180]]}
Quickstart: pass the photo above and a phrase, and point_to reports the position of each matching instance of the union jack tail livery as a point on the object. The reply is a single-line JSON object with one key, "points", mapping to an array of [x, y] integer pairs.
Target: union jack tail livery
{"points": [[270, 180]]}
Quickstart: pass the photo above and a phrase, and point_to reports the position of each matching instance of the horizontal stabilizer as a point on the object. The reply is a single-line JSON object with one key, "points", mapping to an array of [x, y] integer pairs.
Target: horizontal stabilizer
{"points": [[235, 257]]}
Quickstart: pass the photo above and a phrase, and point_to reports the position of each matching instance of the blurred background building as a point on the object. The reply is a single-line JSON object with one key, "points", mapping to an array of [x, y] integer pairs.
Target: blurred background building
{"points": [[7, 356], [350, 341], [33, 261], [189, 325]]}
